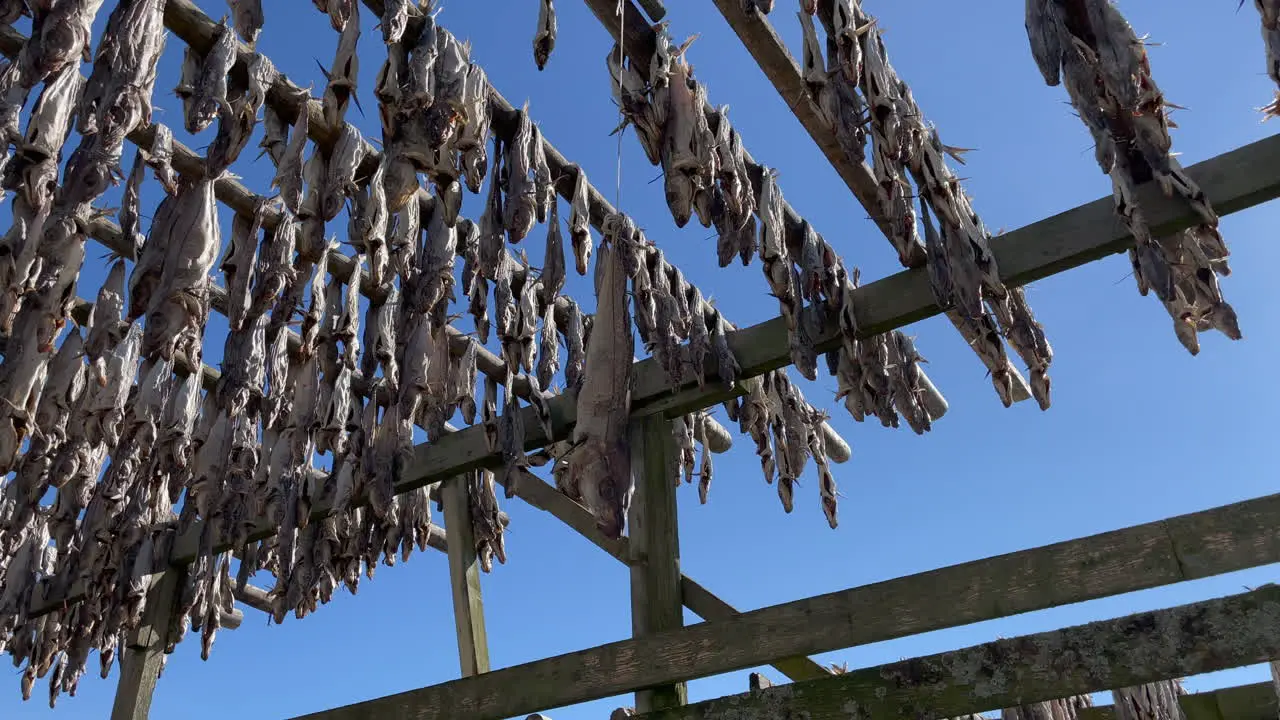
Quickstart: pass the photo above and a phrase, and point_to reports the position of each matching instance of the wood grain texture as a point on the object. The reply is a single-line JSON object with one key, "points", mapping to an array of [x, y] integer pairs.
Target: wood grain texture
{"points": [[464, 579], [1145, 647], [143, 655], [653, 527], [1187, 547], [1246, 702]]}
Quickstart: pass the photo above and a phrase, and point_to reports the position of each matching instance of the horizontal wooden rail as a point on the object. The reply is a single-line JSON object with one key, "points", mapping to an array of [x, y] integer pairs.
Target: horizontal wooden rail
{"points": [[1246, 702], [1187, 547], [1142, 648]]}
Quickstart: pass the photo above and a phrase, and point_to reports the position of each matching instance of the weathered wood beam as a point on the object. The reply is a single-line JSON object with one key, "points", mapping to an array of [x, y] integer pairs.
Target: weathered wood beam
{"points": [[1246, 702], [143, 656], [464, 579], [654, 530], [1187, 547], [639, 44], [254, 597], [1141, 648]]}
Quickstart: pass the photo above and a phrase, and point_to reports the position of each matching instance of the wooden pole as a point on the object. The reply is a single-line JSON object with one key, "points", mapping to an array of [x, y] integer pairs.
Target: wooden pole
{"points": [[464, 577], [143, 655], [653, 528]]}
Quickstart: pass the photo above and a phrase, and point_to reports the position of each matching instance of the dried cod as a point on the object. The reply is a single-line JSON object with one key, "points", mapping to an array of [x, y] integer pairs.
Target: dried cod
{"points": [[544, 40], [599, 465]]}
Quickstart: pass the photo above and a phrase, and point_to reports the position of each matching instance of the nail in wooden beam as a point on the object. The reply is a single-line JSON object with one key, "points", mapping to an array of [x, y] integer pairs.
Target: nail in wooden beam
{"points": [[143, 656], [464, 577], [1145, 647], [653, 527]]}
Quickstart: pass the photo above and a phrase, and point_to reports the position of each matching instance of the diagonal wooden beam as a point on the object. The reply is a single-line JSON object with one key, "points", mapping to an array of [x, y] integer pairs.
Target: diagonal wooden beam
{"points": [[1141, 648], [705, 604], [1187, 547], [639, 41]]}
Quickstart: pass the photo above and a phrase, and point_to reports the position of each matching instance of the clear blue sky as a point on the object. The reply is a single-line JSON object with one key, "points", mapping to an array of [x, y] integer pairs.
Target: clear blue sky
{"points": [[1139, 430]]}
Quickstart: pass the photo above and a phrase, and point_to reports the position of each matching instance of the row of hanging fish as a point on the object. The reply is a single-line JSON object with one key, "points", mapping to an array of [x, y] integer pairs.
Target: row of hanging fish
{"points": [[855, 81], [1094, 53], [878, 376], [1269, 10]]}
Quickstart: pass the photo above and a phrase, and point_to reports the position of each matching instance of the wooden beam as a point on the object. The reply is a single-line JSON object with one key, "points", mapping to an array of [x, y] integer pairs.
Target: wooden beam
{"points": [[653, 526], [1187, 547], [464, 578], [1246, 702], [143, 656], [1141, 648]]}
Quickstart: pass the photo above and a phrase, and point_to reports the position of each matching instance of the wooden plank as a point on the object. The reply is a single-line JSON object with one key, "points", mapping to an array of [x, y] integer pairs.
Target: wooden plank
{"points": [[1246, 702], [1187, 547], [143, 655], [1141, 648], [653, 526], [464, 578]]}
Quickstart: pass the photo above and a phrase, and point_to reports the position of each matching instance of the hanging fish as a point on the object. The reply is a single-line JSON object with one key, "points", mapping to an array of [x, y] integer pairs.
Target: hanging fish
{"points": [[544, 39]]}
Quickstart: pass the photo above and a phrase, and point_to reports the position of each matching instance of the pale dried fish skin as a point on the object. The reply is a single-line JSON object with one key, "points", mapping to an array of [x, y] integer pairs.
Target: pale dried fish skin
{"points": [[544, 39]]}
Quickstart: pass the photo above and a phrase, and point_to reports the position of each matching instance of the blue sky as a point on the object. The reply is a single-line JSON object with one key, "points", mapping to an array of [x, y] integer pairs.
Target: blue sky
{"points": [[1139, 430]]}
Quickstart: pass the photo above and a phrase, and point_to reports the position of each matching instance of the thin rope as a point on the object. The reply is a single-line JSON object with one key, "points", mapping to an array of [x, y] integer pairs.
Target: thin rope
{"points": [[622, 38]]}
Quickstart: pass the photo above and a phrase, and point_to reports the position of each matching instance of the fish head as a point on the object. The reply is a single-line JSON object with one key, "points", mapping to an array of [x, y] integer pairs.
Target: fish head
{"points": [[603, 476]]}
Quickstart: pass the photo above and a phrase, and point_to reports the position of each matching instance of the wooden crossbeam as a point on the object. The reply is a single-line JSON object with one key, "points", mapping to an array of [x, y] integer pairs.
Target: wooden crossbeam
{"points": [[1187, 547], [1141, 648], [639, 41], [1246, 702]]}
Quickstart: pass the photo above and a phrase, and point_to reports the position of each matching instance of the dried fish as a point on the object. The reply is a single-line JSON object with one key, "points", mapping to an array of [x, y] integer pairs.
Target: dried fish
{"points": [[340, 88], [248, 19], [520, 211], [548, 349], [511, 443], [474, 133], [209, 92], [580, 221], [289, 178], [487, 520], [340, 172], [599, 464], [160, 158], [544, 39]]}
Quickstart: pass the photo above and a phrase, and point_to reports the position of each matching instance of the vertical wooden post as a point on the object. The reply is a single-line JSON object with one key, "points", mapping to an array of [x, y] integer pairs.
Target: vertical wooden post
{"points": [[464, 577], [653, 529], [143, 655]]}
